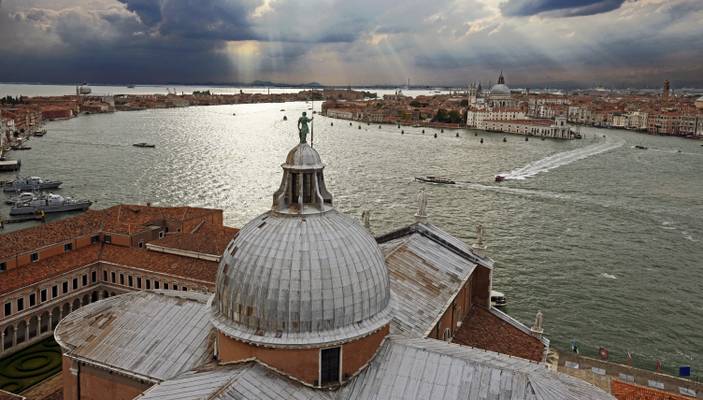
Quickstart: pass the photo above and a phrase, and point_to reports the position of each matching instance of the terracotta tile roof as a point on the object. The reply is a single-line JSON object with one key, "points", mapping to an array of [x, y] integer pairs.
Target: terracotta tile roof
{"points": [[628, 391], [161, 262], [206, 238], [484, 330], [46, 234], [125, 219], [10, 396], [17, 278]]}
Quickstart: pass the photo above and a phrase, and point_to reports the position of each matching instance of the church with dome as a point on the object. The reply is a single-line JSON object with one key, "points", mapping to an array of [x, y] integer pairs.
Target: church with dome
{"points": [[308, 304]]}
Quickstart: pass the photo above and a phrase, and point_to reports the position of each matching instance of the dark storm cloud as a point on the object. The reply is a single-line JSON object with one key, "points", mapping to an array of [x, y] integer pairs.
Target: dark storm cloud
{"points": [[562, 8], [149, 11], [361, 41]]}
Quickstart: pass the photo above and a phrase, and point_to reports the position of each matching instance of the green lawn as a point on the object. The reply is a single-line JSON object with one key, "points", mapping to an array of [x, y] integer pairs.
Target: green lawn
{"points": [[30, 366]]}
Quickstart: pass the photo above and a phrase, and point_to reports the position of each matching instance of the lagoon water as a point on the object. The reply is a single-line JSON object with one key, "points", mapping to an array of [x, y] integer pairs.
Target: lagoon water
{"points": [[605, 239]]}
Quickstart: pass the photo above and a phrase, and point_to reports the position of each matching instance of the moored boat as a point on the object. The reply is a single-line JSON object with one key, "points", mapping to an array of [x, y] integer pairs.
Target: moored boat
{"points": [[500, 178], [51, 203], [21, 198], [640, 147], [498, 299], [148, 145], [435, 179], [30, 183]]}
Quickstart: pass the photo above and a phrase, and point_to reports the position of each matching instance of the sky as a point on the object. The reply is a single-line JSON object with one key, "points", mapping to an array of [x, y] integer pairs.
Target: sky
{"points": [[537, 43]]}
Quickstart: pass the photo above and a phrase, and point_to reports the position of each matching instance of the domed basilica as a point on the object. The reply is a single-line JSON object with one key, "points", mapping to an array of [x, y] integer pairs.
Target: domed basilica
{"points": [[308, 304]]}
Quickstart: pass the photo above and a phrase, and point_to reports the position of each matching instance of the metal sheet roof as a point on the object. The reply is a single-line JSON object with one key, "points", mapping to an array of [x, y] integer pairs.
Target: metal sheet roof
{"points": [[429, 368], [155, 335], [425, 276], [403, 369]]}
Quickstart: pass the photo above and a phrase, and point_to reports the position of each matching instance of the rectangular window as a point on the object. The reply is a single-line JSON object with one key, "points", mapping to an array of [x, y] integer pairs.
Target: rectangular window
{"points": [[185, 289], [35, 257], [54, 291], [3, 266], [140, 244], [85, 279], [329, 366], [107, 239], [156, 284], [165, 285], [75, 283], [42, 295], [139, 283], [94, 276], [175, 287], [65, 287], [113, 277], [161, 234], [94, 239], [67, 247], [32, 299], [20, 304], [104, 276], [121, 279], [148, 284], [8, 309], [129, 280]]}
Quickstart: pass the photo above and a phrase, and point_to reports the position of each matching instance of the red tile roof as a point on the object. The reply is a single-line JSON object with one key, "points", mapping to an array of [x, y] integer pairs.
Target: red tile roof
{"points": [[47, 268], [484, 330], [125, 219], [206, 238], [170, 264]]}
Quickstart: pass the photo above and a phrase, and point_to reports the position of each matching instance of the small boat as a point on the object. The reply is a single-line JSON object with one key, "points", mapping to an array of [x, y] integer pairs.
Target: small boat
{"points": [[283, 109], [39, 216], [21, 198], [20, 147], [500, 178], [435, 179], [50, 203], [40, 133], [640, 147], [9, 165], [498, 299], [30, 183], [148, 145]]}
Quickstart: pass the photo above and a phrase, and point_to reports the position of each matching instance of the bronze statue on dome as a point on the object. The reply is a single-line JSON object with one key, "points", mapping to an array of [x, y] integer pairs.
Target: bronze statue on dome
{"points": [[303, 129]]}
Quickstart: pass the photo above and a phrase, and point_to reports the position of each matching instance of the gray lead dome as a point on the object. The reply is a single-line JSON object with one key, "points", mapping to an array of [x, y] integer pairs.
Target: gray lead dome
{"points": [[301, 274]]}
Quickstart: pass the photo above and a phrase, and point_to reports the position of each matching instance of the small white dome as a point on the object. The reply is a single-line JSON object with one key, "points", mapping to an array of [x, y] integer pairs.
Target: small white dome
{"points": [[303, 156], [500, 89]]}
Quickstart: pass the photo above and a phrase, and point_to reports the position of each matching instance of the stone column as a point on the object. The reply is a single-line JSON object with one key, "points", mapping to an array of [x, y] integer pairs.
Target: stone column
{"points": [[2, 340], [39, 332], [14, 336], [26, 330]]}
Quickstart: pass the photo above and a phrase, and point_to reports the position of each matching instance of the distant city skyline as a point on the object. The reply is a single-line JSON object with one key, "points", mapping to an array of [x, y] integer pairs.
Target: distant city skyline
{"points": [[537, 43]]}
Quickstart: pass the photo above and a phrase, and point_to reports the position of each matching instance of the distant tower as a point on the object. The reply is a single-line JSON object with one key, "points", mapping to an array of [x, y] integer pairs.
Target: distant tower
{"points": [[665, 91], [501, 80]]}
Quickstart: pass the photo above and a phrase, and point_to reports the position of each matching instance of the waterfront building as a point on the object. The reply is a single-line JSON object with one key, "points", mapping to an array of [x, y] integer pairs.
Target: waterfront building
{"points": [[50, 270], [557, 128], [309, 305], [478, 118]]}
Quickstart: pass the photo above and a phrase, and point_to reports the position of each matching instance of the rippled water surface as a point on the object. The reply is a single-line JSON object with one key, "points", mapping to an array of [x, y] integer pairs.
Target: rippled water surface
{"points": [[605, 239]]}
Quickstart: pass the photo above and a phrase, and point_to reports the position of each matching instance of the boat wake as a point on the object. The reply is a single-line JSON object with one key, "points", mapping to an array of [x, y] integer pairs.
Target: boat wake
{"points": [[560, 159]]}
